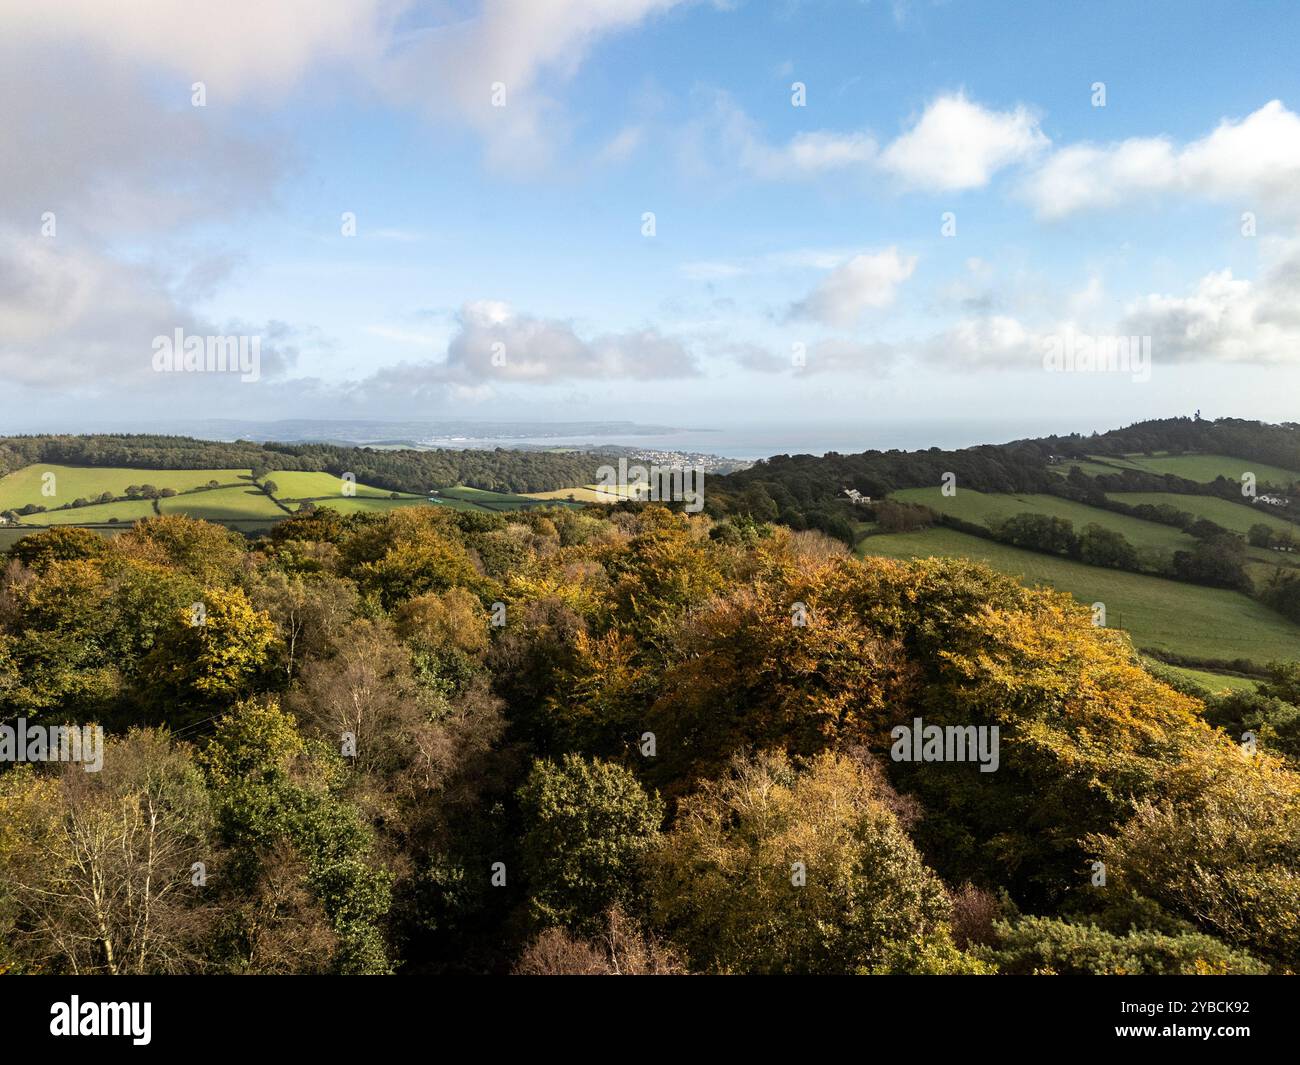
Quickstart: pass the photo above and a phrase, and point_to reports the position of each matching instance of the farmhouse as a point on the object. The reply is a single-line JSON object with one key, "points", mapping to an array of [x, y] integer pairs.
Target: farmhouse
{"points": [[858, 498]]}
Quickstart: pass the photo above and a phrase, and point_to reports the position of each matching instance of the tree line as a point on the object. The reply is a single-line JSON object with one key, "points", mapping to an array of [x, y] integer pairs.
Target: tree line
{"points": [[409, 471]]}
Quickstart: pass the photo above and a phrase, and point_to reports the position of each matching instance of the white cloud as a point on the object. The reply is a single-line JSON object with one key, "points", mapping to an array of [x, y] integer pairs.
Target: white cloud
{"points": [[495, 345], [957, 144], [1226, 318], [85, 140], [235, 47], [726, 136], [995, 340], [437, 59], [864, 282], [1254, 161], [448, 68], [811, 153], [75, 319]]}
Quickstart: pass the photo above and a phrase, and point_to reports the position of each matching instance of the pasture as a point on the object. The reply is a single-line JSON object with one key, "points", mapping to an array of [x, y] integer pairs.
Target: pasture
{"points": [[89, 482], [987, 508], [1211, 624], [300, 484], [224, 504], [1237, 517], [1204, 468]]}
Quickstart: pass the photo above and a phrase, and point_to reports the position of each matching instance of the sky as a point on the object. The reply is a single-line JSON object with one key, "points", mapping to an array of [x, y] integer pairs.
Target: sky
{"points": [[805, 212]]}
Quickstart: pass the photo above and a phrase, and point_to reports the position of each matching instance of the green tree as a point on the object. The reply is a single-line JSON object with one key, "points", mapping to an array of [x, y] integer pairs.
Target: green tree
{"points": [[272, 792], [1047, 946], [1099, 546], [1260, 535], [587, 826]]}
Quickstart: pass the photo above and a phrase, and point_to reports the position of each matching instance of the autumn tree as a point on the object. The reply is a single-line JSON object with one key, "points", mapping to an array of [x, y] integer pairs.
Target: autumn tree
{"points": [[773, 870], [98, 867]]}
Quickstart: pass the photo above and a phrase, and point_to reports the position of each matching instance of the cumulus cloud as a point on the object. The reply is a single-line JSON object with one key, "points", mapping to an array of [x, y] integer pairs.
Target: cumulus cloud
{"points": [[235, 47], [954, 144], [868, 281], [86, 141], [1221, 319], [440, 59], [1226, 318], [495, 345], [957, 144], [1252, 160], [74, 318]]}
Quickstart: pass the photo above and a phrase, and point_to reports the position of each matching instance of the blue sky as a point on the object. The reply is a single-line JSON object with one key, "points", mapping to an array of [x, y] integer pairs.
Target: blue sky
{"points": [[798, 270]]}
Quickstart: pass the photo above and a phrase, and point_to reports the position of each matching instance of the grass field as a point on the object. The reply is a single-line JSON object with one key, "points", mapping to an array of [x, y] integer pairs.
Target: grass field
{"points": [[496, 501], [94, 515], [224, 504], [1161, 615], [983, 508], [483, 496], [238, 502], [360, 504], [591, 493], [583, 494], [1235, 516], [1203, 468], [299, 484], [87, 482], [1214, 683]]}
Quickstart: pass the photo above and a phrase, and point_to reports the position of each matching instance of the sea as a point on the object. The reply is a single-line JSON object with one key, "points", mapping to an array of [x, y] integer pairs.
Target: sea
{"points": [[762, 440]]}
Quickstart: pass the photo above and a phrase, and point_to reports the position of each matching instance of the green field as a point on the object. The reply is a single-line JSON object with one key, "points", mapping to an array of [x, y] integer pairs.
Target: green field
{"points": [[481, 499], [224, 504], [300, 484], [983, 508], [238, 501], [1234, 516], [1211, 624], [1203, 468], [360, 504], [88, 482], [98, 514], [1214, 683], [482, 496]]}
